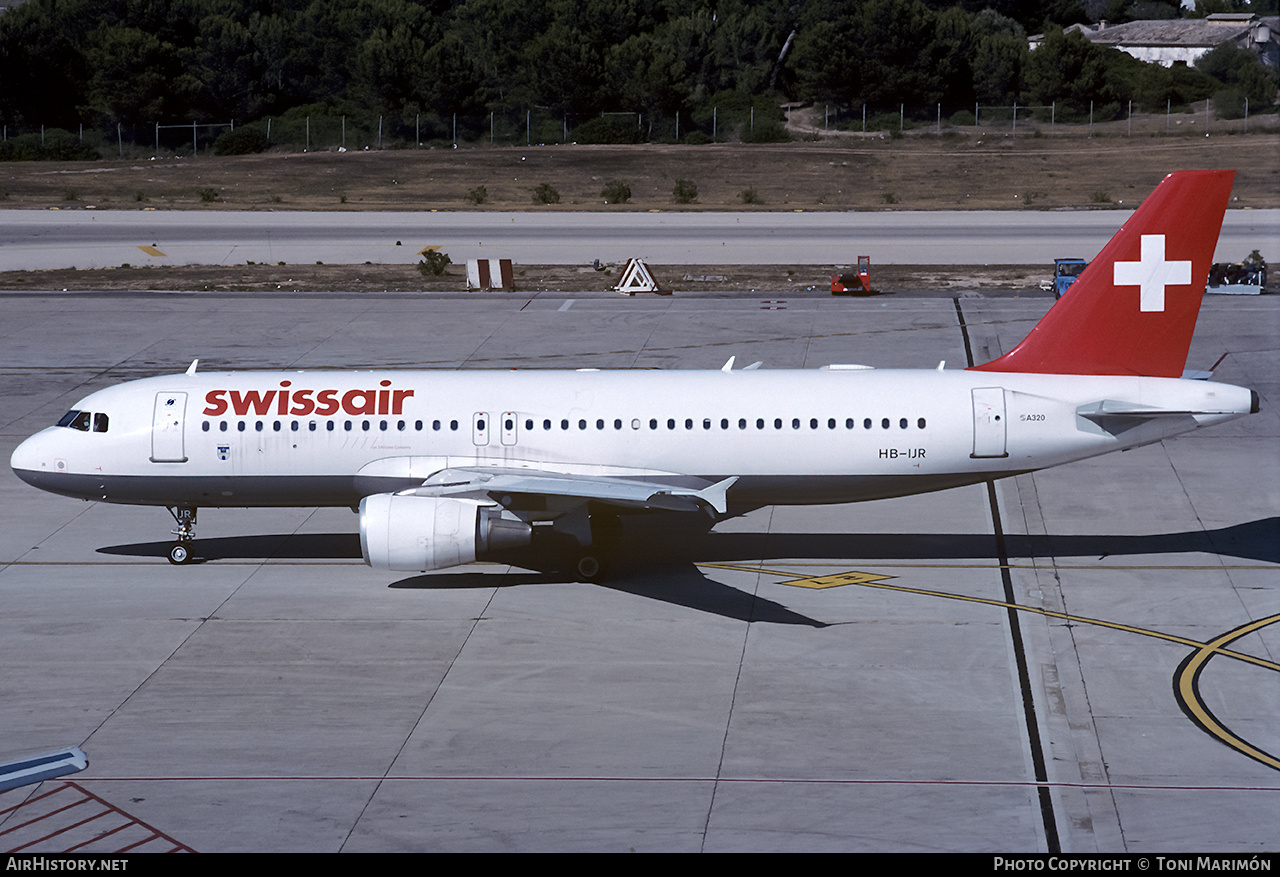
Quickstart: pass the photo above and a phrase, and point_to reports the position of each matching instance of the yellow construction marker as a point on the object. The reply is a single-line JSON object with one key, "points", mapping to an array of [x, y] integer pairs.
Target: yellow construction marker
{"points": [[152, 251]]}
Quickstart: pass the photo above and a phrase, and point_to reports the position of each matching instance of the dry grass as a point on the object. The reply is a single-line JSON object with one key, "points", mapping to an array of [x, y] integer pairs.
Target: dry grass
{"points": [[917, 173], [529, 279]]}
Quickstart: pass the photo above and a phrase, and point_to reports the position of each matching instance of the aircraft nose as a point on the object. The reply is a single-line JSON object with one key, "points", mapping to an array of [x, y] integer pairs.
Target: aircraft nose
{"points": [[29, 460]]}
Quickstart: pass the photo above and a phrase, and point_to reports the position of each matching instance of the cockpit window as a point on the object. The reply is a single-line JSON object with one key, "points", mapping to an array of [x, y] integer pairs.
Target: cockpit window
{"points": [[84, 421], [76, 420]]}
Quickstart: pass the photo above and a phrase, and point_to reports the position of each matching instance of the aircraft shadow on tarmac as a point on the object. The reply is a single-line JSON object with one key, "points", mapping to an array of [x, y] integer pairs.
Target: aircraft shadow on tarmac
{"points": [[675, 554], [679, 584], [1253, 540]]}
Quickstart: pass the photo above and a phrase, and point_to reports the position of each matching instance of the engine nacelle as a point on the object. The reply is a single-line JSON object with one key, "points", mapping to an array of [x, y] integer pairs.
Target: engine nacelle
{"points": [[417, 533]]}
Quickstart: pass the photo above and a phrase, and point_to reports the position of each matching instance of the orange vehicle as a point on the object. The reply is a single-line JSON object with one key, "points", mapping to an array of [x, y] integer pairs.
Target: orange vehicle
{"points": [[853, 284]]}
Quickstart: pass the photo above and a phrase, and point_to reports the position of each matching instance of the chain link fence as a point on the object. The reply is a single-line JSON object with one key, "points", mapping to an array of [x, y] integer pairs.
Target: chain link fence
{"points": [[529, 126]]}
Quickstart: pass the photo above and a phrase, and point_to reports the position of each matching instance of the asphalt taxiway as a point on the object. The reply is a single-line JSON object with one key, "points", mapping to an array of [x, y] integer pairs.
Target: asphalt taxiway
{"points": [[1085, 659], [46, 239]]}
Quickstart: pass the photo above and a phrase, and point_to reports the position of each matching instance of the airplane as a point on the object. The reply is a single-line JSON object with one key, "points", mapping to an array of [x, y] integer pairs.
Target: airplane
{"points": [[449, 467]]}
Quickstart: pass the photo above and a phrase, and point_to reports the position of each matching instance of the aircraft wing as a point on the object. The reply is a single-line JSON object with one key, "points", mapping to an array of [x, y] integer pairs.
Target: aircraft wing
{"points": [[499, 485]]}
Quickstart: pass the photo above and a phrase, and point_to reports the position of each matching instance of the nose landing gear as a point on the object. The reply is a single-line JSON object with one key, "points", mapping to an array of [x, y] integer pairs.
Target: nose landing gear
{"points": [[180, 552]]}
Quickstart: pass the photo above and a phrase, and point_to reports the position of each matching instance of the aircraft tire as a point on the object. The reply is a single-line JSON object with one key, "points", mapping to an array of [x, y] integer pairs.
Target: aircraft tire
{"points": [[179, 553], [589, 568]]}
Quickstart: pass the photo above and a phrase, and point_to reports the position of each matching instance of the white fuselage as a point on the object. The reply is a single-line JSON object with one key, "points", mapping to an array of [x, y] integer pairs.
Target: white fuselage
{"points": [[797, 437]]}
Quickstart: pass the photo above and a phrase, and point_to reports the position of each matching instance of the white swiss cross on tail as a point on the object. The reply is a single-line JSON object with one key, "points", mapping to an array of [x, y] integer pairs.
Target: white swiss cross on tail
{"points": [[1152, 274]]}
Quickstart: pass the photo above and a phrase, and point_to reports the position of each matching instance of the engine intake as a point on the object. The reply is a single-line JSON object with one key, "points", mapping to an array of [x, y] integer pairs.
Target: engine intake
{"points": [[417, 533]]}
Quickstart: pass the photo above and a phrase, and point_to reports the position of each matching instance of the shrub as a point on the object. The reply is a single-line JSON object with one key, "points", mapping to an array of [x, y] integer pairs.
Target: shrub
{"points": [[546, 193], [768, 132], [208, 196], [616, 192], [245, 140], [477, 195], [57, 145], [750, 196], [685, 192], [609, 129], [433, 263]]}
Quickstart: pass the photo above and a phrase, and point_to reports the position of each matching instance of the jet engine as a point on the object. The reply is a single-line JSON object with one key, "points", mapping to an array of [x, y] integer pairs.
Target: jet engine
{"points": [[417, 533]]}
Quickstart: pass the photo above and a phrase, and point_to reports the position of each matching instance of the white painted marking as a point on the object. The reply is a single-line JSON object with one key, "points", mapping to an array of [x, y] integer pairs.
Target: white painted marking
{"points": [[1152, 274], [568, 304]]}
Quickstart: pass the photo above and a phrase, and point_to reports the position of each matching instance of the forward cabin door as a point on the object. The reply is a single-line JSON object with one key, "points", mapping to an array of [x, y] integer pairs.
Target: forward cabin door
{"points": [[167, 428], [989, 422]]}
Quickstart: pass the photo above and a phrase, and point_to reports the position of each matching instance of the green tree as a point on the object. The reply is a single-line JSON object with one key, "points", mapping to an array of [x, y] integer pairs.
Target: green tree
{"points": [[1240, 72], [134, 77]]}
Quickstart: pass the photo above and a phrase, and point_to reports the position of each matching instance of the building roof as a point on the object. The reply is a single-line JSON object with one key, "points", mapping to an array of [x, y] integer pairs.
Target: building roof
{"points": [[1189, 32]]}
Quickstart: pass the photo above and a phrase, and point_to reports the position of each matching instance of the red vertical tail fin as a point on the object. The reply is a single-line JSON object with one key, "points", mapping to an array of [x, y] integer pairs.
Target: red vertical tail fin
{"points": [[1134, 309]]}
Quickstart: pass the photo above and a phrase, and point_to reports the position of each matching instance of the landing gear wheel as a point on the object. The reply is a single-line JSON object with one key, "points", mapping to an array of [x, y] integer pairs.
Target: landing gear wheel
{"points": [[588, 568], [185, 518]]}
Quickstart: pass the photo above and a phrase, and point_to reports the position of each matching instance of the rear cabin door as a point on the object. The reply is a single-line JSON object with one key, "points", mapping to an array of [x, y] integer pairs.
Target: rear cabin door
{"points": [[167, 426], [989, 422]]}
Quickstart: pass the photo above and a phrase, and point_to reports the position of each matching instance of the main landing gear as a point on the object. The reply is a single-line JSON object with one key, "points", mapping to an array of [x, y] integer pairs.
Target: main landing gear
{"points": [[591, 560], [180, 552]]}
